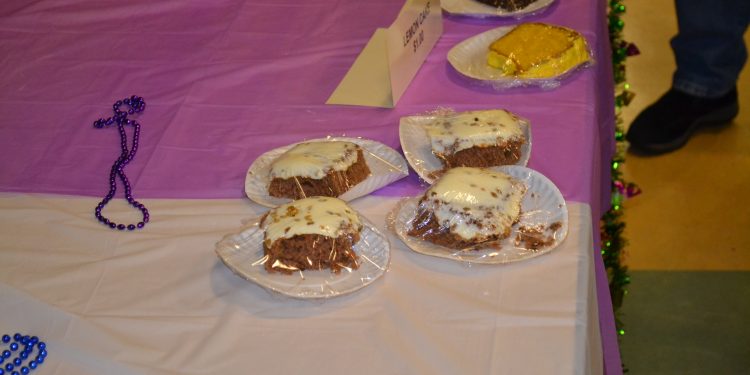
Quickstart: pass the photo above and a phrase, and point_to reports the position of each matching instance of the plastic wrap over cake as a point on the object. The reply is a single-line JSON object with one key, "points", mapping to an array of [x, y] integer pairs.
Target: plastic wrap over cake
{"points": [[481, 138], [540, 226], [530, 54], [316, 247], [343, 167], [497, 9]]}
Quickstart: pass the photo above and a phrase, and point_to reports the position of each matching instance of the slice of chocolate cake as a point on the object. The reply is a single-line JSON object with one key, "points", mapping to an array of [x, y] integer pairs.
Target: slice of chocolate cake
{"points": [[318, 169], [468, 206], [477, 139], [509, 5], [311, 234]]}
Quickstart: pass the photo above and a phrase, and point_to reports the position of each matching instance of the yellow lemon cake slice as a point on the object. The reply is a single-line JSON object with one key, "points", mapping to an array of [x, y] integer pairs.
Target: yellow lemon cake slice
{"points": [[538, 50]]}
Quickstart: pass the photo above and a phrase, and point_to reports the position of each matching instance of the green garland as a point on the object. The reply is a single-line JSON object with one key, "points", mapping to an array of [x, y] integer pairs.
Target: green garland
{"points": [[612, 224]]}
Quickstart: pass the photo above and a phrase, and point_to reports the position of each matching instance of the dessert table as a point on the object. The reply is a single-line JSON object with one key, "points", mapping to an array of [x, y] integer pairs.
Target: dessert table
{"points": [[225, 81]]}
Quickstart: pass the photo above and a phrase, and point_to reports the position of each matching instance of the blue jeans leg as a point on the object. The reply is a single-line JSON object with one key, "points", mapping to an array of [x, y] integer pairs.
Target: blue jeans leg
{"points": [[709, 49]]}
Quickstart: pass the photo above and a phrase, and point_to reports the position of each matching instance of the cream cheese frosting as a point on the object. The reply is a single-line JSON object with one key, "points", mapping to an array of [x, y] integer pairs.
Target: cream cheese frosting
{"points": [[475, 203], [472, 129], [314, 159], [330, 217]]}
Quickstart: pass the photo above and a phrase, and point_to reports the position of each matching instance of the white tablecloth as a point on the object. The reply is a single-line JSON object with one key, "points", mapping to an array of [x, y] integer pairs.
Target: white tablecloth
{"points": [[159, 301]]}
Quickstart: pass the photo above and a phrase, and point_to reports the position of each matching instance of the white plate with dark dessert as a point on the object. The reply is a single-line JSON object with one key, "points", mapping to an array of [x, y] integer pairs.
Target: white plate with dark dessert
{"points": [[343, 167], [538, 227], [550, 53], [495, 8], [482, 138], [323, 273]]}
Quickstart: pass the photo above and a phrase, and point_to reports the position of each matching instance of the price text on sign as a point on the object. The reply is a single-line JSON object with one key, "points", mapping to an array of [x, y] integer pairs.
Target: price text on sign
{"points": [[414, 33]]}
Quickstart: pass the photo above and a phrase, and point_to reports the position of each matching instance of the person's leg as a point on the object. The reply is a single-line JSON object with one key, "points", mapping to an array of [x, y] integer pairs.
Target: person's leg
{"points": [[709, 49], [710, 53]]}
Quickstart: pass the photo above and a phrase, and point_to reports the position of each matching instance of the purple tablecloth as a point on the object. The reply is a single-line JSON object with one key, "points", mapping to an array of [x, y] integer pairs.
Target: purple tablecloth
{"points": [[227, 80]]}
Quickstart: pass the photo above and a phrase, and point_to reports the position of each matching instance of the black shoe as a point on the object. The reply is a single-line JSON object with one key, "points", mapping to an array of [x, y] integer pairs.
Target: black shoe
{"points": [[668, 124]]}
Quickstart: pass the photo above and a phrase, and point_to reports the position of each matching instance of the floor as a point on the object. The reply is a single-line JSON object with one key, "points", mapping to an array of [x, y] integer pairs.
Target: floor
{"points": [[689, 231]]}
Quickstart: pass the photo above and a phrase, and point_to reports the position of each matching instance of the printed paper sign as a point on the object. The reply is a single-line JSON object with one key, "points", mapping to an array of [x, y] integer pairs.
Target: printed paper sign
{"points": [[392, 57]]}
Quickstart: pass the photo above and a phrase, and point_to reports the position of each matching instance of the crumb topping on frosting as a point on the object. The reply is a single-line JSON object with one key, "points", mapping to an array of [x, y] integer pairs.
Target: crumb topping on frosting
{"points": [[473, 129], [326, 216]]}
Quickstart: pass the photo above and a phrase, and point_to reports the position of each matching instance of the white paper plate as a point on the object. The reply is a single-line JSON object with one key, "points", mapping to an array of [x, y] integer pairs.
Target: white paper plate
{"points": [[543, 204], [477, 9], [242, 252], [470, 59], [418, 151], [386, 166]]}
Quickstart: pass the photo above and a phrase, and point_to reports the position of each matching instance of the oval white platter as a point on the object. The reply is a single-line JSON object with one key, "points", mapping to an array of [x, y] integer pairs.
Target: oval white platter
{"points": [[418, 150], [469, 58], [542, 205], [242, 253], [386, 166]]}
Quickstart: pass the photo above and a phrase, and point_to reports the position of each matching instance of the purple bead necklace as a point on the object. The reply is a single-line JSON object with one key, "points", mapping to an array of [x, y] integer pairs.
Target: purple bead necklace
{"points": [[120, 118]]}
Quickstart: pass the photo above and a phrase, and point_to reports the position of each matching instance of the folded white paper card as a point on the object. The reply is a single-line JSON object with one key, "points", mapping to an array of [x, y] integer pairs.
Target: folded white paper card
{"points": [[392, 57]]}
